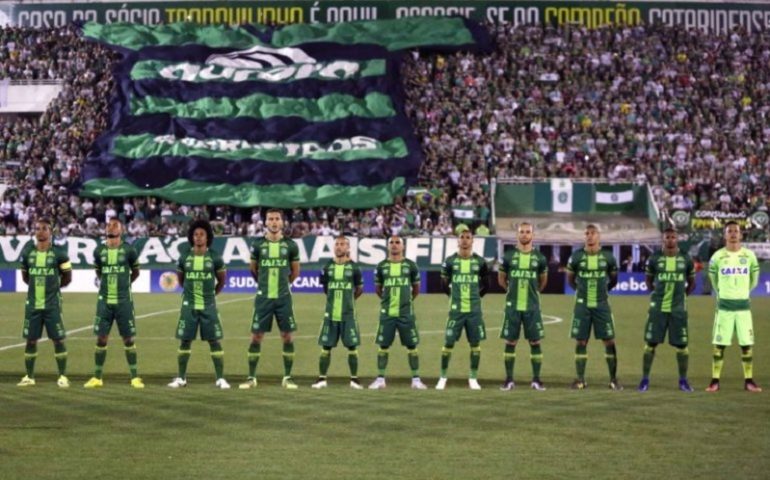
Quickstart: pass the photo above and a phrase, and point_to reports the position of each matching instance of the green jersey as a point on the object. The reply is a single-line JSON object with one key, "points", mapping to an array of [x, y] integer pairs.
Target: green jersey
{"points": [[592, 275], [200, 278], [733, 276], [465, 277], [669, 278], [274, 261], [44, 270], [396, 280], [114, 266], [341, 281], [523, 271]]}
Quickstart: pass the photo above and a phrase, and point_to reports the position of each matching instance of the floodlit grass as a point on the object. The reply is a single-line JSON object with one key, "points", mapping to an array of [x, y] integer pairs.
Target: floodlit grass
{"points": [[200, 432]]}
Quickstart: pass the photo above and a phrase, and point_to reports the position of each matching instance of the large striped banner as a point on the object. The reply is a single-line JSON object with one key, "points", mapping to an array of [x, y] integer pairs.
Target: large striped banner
{"points": [[301, 116]]}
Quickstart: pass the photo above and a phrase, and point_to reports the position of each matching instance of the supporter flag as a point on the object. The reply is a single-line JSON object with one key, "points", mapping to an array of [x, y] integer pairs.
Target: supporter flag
{"points": [[614, 198], [463, 213], [301, 116], [561, 194]]}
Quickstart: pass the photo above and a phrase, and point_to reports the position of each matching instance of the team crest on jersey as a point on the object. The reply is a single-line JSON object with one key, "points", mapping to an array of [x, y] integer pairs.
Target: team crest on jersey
{"points": [[121, 258], [582, 264], [188, 265], [602, 264], [534, 263], [661, 265], [744, 261], [680, 264], [284, 251], [264, 252], [406, 271], [104, 258], [49, 261], [208, 265]]}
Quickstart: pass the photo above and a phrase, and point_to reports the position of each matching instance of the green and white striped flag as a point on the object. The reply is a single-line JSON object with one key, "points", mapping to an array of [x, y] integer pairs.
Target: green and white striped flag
{"points": [[614, 198], [463, 213]]}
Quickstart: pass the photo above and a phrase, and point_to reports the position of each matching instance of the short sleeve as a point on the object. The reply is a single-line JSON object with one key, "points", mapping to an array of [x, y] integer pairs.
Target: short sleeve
{"points": [[324, 277], [180, 263], [132, 256], [219, 263], [652, 264], [293, 251], [414, 273], [357, 277], [542, 265], [255, 251], [62, 260]]}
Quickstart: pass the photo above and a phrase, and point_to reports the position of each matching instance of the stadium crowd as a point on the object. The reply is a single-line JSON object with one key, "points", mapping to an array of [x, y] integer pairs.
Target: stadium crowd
{"points": [[680, 109]]}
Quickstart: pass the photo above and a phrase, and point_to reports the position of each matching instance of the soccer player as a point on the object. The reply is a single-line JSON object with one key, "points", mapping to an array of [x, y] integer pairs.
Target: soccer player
{"points": [[117, 266], [592, 273], [201, 272], [734, 273], [670, 276], [523, 275], [464, 278], [342, 282], [274, 265], [45, 268], [397, 283]]}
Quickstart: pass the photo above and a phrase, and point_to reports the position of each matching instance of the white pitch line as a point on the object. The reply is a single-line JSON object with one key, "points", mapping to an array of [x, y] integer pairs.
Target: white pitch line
{"points": [[305, 337], [88, 327]]}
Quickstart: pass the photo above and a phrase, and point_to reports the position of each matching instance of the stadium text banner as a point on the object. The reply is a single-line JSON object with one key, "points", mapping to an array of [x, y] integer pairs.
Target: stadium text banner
{"points": [[158, 253], [240, 281], [720, 18]]}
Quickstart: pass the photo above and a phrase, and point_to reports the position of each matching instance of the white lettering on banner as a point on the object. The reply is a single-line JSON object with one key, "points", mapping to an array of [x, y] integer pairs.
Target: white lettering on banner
{"points": [[402, 12], [717, 21], [190, 72], [81, 245], [630, 285], [294, 150], [154, 249], [236, 249], [437, 251], [426, 251], [371, 251], [417, 247], [307, 282], [323, 249], [11, 253], [350, 14]]}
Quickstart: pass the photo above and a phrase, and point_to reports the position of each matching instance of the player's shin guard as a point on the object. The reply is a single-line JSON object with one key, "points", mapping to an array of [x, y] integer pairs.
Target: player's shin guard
{"points": [[647, 358], [324, 360], [414, 361], [509, 357], [682, 361], [130, 349], [353, 362], [382, 361], [718, 360], [475, 360], [536, 358], [30, 355], [747, 360], [446, 356], [581, 359], [60, 354], [100, 356], [218, 358], [182, 357], [288, 358], [611, 355], [254, 353]]}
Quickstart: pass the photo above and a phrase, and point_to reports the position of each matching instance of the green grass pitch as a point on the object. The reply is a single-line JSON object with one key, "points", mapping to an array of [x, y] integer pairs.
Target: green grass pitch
{"points": [[200, 432]]}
